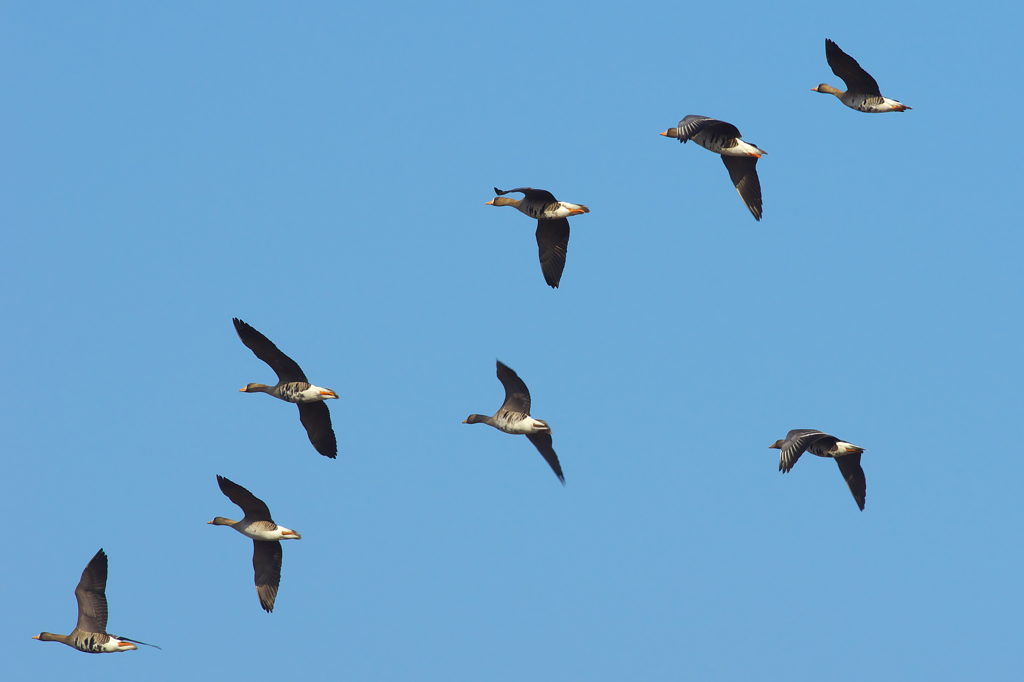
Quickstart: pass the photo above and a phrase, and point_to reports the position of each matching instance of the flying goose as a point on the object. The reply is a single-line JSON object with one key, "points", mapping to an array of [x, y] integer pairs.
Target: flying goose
{"points": [[552, 226], [514, 417], [740, 158], [862, 91], [293, 387], [90, 634], [847, 456], [265, 534]]}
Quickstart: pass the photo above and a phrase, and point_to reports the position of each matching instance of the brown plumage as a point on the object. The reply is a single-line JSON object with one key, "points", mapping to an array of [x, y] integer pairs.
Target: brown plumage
{"points": [[90, 633], [846, 455]]}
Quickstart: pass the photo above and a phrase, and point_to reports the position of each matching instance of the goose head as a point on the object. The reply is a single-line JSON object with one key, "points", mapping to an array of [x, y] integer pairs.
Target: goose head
{"points": [[828, 90], [503, 201], [777, 445], [256, 388]]}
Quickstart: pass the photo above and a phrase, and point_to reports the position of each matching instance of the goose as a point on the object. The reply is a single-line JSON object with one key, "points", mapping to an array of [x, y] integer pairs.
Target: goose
{"points": [[847, 456], [293, 387], [862, 91], [90, 634], [740, 158], [514, 417], [552, 226], [265, 534]]}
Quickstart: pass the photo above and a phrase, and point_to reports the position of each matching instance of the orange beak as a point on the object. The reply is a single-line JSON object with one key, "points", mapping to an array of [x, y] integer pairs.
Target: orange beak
{"points": [[35, 636], [663, 134], [241, 390], [490, 203]]}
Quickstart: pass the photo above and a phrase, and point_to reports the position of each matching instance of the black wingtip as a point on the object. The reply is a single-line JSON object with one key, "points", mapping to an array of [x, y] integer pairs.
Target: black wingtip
{"points": [[135, 641]]}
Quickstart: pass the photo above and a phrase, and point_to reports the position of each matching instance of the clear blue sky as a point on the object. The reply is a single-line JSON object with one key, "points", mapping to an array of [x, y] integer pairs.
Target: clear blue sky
{"points": [[320, 171]]}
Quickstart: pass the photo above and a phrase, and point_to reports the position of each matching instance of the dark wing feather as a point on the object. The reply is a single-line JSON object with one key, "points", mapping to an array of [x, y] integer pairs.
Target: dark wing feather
{"points": [[692, 124], [135, 641], [743, 172], [531, 194], [553, 243], [849, 466], [287, 370], [317, 419], [797, 441], [517, 396], [846, 67], [542, 441], [266, 562], [92, 597], [255, 509]]}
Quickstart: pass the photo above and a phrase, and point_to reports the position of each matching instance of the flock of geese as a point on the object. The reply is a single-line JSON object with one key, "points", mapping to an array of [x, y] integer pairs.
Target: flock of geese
{"points": [[740, 159]]}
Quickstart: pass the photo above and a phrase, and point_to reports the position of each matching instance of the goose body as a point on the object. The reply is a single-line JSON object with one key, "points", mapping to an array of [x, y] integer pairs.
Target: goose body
{"points": [[552, 226], [862, 91], [90, 633], [846, 455], [266, 536], [293, 387], [514, 417], [740, 158]]}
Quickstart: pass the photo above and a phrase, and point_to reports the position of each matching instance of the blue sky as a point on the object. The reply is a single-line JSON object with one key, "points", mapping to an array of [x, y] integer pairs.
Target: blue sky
{"points": [[321, 172]]}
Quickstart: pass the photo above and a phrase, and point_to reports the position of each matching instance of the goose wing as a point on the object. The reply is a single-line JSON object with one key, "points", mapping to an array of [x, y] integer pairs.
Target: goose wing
{"points": [[287, 370], [553, 243], [517, 396], [846, 67], [692, 125], [92, 597], [255, 509], [135, 641], [849, 466], [530, 194], [317, 419], [266, 562], [743, 172], [796, 443], [542, 441]]}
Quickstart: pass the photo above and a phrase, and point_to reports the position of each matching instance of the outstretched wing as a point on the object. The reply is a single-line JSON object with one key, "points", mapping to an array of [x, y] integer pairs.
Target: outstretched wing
{"points": [[92, 597], [517, 396], [849, 466], [266, 562], [743, 172], [317, 419], [553, 243], [692, 125], [255, 509], [796, 443], [287, 370], [846, 67], [542, 441]]}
